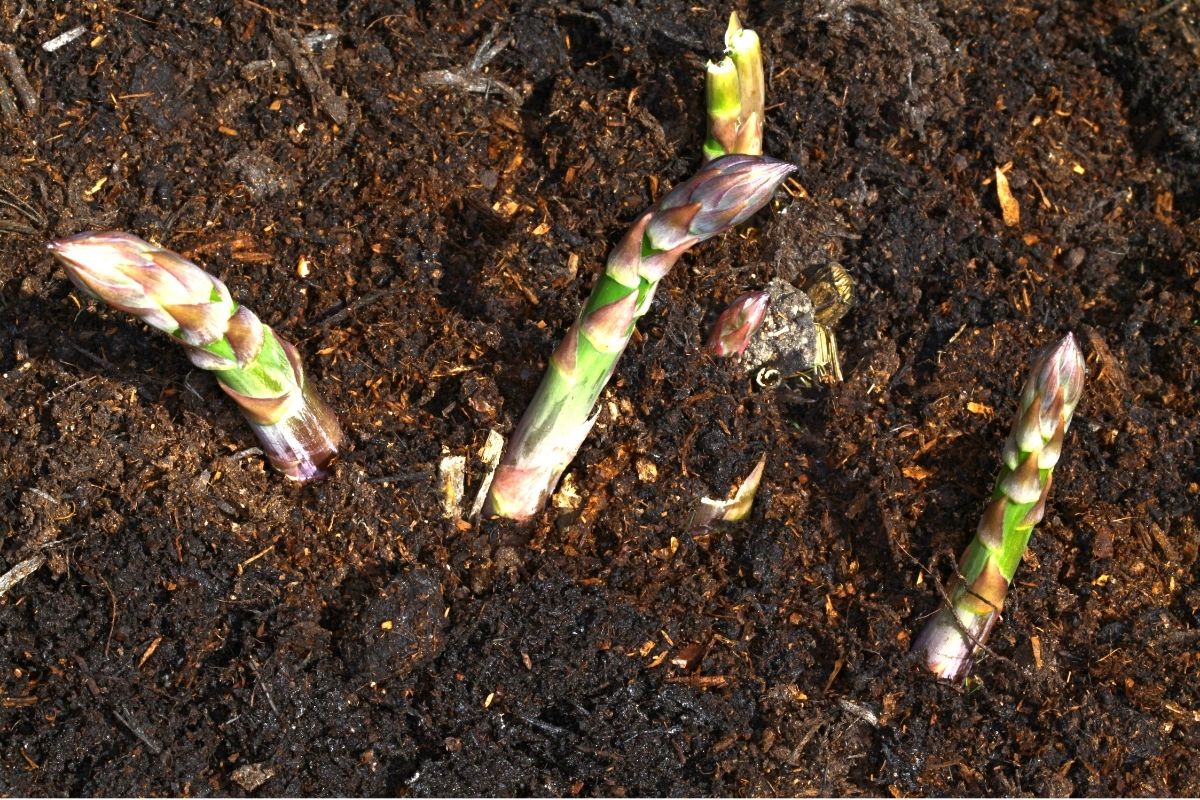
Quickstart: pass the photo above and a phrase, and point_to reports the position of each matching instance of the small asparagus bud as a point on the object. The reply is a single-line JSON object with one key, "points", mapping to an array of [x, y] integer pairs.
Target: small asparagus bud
{"points": [[736, 95], [737, 325], [259, 370], [950, 640], [722, 195]]}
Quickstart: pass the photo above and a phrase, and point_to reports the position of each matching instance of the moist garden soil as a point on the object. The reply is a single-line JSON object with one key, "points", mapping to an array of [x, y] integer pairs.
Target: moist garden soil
{"points": [[201, 626]]}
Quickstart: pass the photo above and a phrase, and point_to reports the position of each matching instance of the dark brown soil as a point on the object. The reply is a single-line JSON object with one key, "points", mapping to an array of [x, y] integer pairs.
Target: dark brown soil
{"points": [[201, 626]]}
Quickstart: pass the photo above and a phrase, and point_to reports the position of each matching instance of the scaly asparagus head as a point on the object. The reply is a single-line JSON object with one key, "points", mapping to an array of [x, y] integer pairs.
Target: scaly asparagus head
{"points": [[735, 92], [737, 325], [722, 195], [259, 370], [949, 641]]}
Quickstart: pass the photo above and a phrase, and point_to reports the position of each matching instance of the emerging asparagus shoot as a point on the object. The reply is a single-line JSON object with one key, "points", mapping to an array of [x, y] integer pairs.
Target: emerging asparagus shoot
{"points": [[735, 90], [737, 324], [722, 195], [259, 370], [950, 640]]}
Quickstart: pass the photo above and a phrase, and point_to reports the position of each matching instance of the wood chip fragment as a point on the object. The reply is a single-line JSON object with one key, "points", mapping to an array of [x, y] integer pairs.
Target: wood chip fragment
{"points": [[150, 650], [252, 776], [20, 572], [1009, 206], [451, 471], [64, 39], [489, 454]]}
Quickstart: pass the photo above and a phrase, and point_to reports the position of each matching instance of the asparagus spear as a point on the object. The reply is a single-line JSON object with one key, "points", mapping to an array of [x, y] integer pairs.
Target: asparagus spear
{"points": [[1018, 502], [735, 89], [733, 330], [259, 370], [724, 193]]}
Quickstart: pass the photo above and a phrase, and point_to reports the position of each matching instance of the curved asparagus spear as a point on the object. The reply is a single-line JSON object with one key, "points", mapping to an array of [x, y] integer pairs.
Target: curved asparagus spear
{"points": [[721, 195], [735, 89], [260, 371], [1018, 502]]}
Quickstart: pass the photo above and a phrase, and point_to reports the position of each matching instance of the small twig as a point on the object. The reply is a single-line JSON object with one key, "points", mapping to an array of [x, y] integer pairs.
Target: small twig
{"points": [[332, 104], [23, 207], [365, 300], [1158, 12], [20, 82], [112, 623], [470, 78], [64, 39], [488, 51], [126, 719], [8, 106], [467, 81]]}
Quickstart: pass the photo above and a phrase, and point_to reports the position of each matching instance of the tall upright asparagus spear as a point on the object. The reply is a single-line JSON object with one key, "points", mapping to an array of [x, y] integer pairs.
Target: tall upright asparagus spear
{"points": [[1018, 502], [735, 89], [724, 193], [259, 370]]}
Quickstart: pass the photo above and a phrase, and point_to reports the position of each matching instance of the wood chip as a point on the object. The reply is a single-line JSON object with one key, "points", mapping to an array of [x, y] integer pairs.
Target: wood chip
{"points": [[1009, 206], [20, 572], [150, 650], [252, 776]]}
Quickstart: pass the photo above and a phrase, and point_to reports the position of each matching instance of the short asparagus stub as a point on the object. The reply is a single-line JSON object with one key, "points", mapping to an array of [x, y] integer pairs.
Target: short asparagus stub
{"points": [[735, 90], [950, 640], [722, 195], [262, 372]]}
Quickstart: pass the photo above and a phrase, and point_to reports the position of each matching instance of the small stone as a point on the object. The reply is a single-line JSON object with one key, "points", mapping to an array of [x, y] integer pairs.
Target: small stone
{"points": [[787, 340]]}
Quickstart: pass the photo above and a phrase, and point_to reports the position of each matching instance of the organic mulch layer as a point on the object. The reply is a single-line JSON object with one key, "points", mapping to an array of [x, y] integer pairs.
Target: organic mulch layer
{"points": [[420, 195]]}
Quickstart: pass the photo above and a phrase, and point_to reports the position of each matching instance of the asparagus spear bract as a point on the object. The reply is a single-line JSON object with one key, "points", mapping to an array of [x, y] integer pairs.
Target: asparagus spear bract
{"points": [[259, 370], [1018, 502], [724, 193]]}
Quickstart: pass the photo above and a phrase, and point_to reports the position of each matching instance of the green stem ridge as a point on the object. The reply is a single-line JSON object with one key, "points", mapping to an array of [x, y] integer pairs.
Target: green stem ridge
{"points": [[722, 195], [262, 372], [976, 596]]}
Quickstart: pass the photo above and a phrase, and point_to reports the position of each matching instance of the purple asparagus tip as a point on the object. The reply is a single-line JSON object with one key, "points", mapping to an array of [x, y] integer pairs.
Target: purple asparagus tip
{"points": [[737, 324]]}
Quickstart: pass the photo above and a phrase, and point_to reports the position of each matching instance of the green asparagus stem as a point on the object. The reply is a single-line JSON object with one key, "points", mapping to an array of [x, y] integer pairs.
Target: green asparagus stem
{"points": [[723, 194], [1018, 502], [260, 371], [735, 89]]}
